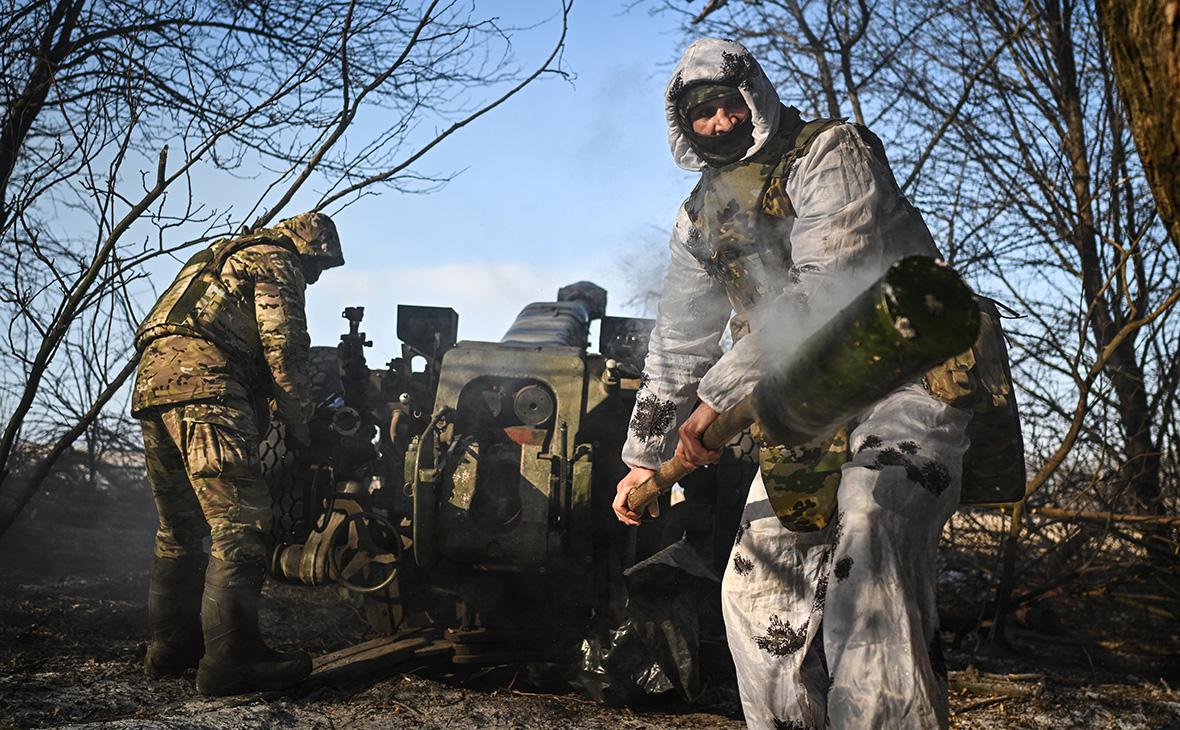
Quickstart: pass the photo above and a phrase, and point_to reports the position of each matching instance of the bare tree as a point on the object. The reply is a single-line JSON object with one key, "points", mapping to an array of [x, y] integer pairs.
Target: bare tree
{"points": [[114, 107], [1061, 218]]}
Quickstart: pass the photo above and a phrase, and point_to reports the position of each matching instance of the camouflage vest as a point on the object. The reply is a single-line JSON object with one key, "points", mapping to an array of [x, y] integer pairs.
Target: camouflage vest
{"points": [[980, 381], [742, 220], [198, 304]]}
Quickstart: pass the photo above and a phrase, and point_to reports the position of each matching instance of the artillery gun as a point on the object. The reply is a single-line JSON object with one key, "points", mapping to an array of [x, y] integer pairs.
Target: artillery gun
{"points": [[471, 494], [465, 488]]}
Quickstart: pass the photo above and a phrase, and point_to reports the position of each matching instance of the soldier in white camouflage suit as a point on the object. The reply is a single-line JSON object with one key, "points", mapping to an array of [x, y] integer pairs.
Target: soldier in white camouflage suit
{"points": [[229, 335], [829, 607]]}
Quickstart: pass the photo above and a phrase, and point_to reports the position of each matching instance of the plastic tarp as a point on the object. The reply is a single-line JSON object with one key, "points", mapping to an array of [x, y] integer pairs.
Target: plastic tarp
{"points": [[657, 647]]}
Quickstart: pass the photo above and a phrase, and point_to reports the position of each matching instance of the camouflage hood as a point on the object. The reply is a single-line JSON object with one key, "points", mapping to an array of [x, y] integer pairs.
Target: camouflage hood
{"points": [[315, 237], [714, 61]]}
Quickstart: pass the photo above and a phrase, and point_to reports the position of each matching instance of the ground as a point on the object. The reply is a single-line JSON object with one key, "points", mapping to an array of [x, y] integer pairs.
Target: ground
{"points": [[73, 586]]}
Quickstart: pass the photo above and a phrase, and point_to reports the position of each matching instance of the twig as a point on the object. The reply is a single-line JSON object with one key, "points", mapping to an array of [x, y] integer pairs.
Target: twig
{"points": [[1010, 685], [1103, 517], [979, 704], [710, 7], [404, 706]]}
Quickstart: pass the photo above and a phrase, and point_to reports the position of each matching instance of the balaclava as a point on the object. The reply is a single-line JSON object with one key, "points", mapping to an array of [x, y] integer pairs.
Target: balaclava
{"points": [[718, 149]]}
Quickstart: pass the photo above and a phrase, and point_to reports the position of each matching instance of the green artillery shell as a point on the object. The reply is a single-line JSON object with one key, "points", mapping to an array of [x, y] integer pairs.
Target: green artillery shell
{"points": [[919, 313]]}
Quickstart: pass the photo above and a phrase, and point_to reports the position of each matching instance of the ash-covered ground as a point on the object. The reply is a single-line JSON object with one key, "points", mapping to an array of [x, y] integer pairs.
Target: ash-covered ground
{"points": [[73, 629]]}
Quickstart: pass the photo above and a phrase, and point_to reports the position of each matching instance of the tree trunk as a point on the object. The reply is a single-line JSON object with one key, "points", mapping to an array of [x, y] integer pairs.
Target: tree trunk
{"points": [[1143, 37], [1141, 458], [1006, 581]]}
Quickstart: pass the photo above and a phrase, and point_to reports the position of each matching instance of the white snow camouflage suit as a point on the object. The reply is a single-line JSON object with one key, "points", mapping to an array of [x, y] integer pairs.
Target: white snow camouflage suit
{"points": [[835, 627]]}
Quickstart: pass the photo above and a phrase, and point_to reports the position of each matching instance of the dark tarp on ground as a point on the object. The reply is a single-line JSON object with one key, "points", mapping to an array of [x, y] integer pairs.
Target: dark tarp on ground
{"points": [[657, 648]]}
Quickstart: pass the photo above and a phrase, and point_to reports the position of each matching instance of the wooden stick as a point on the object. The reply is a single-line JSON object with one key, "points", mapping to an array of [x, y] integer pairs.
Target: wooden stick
{"points": [[980, 704], [728, 424], [1084, 516], [1007, 685]]}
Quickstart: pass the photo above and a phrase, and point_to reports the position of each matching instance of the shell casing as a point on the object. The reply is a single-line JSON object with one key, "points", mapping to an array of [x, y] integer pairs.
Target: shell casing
{"points": [[917, 314]]}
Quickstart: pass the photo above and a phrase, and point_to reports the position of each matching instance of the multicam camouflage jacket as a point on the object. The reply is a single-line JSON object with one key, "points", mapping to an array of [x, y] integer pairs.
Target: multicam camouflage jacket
{"points": [[244, 338]]}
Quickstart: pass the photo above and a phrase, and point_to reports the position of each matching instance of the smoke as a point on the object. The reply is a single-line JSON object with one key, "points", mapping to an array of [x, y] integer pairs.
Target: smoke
{"points": [[642, 270], [847, 262], [860, 226], [780, 326], [71, 531]]}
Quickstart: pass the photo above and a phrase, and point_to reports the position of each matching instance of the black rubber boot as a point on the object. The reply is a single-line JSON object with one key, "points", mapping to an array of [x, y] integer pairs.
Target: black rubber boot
{"points": [[236, 660], [174, 614]]}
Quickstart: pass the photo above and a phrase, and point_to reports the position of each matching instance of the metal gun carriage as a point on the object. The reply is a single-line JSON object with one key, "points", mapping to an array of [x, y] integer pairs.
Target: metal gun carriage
{"points": [[465, 487]]}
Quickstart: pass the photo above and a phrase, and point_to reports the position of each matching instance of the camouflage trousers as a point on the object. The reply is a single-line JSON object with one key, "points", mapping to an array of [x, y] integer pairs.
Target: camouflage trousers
{"points": [[202, 462], [837, 626]]}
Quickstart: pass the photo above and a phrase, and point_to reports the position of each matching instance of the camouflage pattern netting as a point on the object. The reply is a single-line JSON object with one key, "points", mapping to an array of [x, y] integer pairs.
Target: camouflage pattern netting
{"points": [[744, 447], [291, 504]]}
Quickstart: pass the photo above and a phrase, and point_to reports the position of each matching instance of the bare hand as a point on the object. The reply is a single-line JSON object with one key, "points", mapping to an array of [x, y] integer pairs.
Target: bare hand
{"points": [[691, 450], [638, 475]]}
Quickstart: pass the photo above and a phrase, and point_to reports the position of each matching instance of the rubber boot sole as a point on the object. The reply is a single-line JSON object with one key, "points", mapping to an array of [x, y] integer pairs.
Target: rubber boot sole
{"points": [[217, 679]]}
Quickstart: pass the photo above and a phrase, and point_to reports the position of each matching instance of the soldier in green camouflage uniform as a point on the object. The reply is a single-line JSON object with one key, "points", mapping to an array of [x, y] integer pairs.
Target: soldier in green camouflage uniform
{"points": [[228, 336]]}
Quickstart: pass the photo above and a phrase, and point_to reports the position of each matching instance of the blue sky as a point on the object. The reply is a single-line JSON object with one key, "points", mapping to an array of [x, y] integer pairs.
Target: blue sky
{"points": [[566, 181]]}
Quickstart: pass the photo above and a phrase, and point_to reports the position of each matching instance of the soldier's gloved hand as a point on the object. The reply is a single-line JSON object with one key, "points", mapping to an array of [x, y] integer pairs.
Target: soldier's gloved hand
{"points": [[627, 484], [298, 437]]}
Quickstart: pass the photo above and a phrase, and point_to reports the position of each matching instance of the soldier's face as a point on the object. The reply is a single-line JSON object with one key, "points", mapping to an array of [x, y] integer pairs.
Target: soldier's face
{"points": [[718, 116]]}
